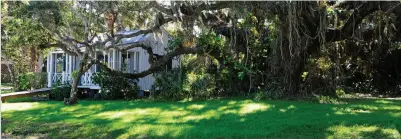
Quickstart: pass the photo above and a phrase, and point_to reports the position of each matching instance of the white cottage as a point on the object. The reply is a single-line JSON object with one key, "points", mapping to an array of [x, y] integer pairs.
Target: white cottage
{"points": [[60, 65]]}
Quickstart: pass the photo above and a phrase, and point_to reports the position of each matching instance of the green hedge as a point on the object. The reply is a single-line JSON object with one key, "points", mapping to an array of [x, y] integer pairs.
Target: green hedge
{"points": [[31, 80], [115, 87]]}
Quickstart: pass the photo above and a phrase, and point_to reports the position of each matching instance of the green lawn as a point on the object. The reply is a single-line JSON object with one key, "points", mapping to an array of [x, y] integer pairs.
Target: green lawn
{"points": [[7, 91], [7, 86], [234, 118]]}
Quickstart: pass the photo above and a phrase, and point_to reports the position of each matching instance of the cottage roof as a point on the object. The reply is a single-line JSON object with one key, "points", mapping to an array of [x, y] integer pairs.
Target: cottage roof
{"points": [[137, 39]]}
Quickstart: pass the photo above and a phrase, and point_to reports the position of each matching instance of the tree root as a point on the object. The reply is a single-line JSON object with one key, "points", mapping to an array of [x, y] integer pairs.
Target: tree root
{"points": [[70, 101]]}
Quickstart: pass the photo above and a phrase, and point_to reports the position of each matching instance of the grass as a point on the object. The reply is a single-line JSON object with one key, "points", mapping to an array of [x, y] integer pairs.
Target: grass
{"points": [[6, 85], [7, 91], [232, 118]]}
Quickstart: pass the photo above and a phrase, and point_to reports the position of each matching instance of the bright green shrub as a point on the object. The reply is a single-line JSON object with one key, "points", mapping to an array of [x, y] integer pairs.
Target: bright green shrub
{"points": [[39, 80], [201, 86], [31, 80], [115, 87], [176, 84], [328, 100], [169, 85], [24, 81], [60, 91]]}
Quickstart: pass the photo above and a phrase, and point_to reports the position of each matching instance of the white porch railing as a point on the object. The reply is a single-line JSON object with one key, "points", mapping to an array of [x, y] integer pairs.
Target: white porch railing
{"points": [[57, 77], [63, 78], [86, 79]]}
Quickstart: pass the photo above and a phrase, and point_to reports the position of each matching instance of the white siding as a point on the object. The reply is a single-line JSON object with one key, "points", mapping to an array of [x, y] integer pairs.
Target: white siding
{"points": [[159, 42]]}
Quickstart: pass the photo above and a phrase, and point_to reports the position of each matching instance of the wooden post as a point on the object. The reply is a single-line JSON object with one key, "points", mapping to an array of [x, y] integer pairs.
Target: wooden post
{"points": [[67, 62], [134, 62], [63, 77], [69, 78], [69, 69], [104, 57], [137, 61], [51, 67], [114, 59], [40, 62], [63, 73], [49, 75], [71, 66], [108, 58], [119, 60], [127, 64], [74, 59], [95, 66]]}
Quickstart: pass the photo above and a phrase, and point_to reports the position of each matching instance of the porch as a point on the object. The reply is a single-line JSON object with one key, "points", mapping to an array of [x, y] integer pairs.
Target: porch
{"points": [[65, 78], [60, 66]]}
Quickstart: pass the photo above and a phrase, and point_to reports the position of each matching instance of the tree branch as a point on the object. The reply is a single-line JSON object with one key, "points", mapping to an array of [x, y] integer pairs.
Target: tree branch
{"points": [[363, 10], [161, 8], [58, 45], [86, 32], [160, 20], [154, 67]]}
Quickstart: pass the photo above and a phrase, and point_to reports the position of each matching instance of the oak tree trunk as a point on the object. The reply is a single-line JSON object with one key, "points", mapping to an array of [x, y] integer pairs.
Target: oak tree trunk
{"points": [[74, 91], [83, 67], [34, 60]]}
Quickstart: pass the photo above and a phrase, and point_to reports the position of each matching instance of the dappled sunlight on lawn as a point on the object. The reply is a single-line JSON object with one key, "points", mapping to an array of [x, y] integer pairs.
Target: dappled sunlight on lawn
{"points": [[126, 116], [343, 111], [357, 109], [18, 106], [80, 108], [228, 110], [253, 107], [396, 114], [196, 107], [384, 101], [232, 102], [211, 114], [125, 113], [361, 131], [289, 108], [204, 119], [144, 130]]}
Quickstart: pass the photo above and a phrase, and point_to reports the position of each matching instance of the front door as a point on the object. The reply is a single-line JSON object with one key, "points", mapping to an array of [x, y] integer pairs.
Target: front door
{"points": [[59, 67]]}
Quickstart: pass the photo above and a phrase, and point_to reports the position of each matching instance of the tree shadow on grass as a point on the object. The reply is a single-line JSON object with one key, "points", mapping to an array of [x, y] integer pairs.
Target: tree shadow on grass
{"points": [[209, 119]]}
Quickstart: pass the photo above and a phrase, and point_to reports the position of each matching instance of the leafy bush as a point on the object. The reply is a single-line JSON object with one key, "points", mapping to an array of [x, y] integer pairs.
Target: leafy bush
{"points": [[201, 86], [60, 91], [328, 100], [115, 87], [39, 80], [23, 81], [266, 95], [176, 84], [169, 85], [31, 80]]}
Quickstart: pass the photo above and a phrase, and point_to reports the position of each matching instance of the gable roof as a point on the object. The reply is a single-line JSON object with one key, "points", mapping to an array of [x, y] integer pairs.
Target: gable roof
{"points": [[137, 39]]}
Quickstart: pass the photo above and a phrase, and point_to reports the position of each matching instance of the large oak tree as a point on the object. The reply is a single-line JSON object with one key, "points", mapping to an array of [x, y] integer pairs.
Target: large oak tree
{"points": [[297, 31]]}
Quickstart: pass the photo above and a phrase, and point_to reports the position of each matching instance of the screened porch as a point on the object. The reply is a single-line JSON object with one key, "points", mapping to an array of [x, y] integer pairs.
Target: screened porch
{"points": [[61, 65]]}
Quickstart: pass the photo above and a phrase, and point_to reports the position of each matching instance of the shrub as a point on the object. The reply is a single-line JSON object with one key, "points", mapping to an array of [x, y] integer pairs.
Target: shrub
{"points": [[202, 86], [24, 81], [266, 95], [169, 85], [31, 80], [115, 87], [60, 91], [328, 100], [39, 80], [178, 85]]}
